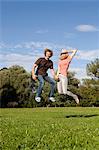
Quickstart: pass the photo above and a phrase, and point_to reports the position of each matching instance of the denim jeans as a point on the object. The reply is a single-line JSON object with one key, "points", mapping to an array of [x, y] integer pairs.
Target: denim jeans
{"points": [[41, 84]]}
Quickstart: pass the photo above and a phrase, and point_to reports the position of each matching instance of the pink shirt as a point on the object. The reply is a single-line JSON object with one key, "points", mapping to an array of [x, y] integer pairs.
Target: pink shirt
{"points": [[63, 66]]}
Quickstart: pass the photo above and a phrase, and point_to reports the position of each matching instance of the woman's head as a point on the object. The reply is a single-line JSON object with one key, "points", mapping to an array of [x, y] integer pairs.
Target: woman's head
{"points": [[64, 54]]}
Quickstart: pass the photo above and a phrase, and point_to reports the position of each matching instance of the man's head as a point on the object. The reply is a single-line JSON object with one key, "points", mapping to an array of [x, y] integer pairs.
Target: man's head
{"points": [[48, 53]]}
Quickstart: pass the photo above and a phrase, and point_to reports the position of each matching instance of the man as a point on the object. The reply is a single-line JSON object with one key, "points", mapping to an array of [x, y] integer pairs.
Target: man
{"points": [[41, 66]]}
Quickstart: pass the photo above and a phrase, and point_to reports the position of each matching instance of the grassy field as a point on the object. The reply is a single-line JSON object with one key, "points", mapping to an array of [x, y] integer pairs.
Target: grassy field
{"points": [[69, 128]]}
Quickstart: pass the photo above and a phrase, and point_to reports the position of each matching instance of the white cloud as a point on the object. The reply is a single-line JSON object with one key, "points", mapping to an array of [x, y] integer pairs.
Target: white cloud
{"points": [[86, 28], [34, 50], [69, 35], [18, 59], [88, 54], [35, 46], [27, 62], [80, 72], [2, 45], [18, 46], [41, 31], [42, 45]]}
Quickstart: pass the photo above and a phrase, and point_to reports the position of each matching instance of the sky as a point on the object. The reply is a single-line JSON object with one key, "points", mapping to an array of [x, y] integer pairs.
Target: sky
{"points": [[27, 27]]}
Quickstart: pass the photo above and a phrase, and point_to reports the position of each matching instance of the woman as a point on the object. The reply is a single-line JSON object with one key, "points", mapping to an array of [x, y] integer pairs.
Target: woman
{"points": [[63, 65]]}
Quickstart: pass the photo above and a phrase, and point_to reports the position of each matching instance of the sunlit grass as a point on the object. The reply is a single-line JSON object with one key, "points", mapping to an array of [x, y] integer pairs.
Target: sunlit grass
{"points": [[50, 129]]}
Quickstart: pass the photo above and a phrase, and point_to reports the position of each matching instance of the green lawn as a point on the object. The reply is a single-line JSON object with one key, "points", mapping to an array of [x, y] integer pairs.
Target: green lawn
{"points": [[69, 128]]}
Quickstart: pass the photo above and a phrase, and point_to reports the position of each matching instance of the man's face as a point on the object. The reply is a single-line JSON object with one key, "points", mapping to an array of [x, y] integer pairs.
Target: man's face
{"points": [[48, 54]]}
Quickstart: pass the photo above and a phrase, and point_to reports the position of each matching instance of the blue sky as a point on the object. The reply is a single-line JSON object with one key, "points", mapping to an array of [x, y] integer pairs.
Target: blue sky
{"points": [[27, 27]]}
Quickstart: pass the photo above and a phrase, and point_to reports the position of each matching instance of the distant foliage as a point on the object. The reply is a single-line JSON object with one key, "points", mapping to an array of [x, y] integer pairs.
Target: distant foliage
{"points": [[14, 87], [90, 87], [93, 68], [17, 89]]}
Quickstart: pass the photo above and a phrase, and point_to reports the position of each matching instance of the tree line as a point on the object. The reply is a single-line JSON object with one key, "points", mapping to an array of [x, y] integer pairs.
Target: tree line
{"points": [[16, 88]]}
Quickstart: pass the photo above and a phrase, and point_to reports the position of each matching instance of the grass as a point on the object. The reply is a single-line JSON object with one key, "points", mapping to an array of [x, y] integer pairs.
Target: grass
{"points": [[69, 128]]}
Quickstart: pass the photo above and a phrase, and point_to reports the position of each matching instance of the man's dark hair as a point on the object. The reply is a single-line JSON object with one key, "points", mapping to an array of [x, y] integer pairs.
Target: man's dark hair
{"points": [[48, 50]]}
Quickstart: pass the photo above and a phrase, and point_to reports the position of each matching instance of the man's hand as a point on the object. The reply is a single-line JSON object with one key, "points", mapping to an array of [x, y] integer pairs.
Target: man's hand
{"points": [[56, 78], [33, 72], [34, 77]]}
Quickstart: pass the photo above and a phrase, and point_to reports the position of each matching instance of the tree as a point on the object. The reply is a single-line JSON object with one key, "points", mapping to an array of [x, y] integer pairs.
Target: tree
{"points": [[89, 90], [93, 68], [14, 86]]}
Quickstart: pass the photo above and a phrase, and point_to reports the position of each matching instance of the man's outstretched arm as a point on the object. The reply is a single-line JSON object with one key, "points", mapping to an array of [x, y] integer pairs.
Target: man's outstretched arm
{"points": [[33, 72]]}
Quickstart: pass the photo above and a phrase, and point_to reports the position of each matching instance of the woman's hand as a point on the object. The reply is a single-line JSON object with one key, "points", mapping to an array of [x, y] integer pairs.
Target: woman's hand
{"points": [[56, 78]]}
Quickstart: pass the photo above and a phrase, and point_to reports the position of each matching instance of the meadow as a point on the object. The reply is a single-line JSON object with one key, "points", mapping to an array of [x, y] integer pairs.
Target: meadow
{"points": [[67, 128]]}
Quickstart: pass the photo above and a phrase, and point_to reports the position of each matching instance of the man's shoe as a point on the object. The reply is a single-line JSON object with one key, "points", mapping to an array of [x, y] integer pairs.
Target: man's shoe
{"points": [[76, 99], [38, 99], [51, 99]]}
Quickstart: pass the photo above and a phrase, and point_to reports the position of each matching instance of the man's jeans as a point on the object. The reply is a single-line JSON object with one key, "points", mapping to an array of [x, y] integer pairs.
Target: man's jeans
{"points": [[41, 84]]}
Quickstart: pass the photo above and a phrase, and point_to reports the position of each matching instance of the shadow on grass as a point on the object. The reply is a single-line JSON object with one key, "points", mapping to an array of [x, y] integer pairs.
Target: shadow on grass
{"points": [[83, 116]]}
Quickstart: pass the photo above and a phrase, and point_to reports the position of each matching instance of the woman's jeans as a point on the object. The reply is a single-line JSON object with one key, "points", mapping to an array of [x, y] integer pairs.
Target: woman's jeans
{"points": [[62, 86], [41, 84]]}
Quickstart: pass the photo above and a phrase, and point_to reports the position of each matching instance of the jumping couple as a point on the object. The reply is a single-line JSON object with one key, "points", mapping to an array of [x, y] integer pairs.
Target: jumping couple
{"points": [[39, 72]]}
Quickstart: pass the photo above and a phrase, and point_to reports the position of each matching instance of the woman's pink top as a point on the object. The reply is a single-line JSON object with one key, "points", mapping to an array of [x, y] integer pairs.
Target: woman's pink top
{"points": [[63, 66]]}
